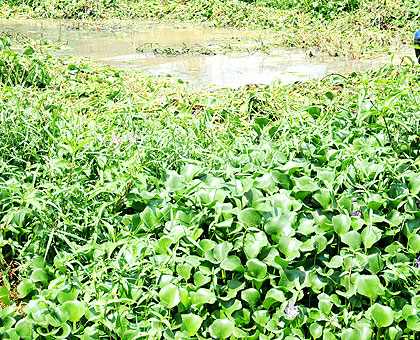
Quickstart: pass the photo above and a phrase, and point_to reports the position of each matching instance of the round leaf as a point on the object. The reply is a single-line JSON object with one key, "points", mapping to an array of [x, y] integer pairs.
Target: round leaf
{"points": [[221, 328], [192, 323], [383, 316], [250, 217]]}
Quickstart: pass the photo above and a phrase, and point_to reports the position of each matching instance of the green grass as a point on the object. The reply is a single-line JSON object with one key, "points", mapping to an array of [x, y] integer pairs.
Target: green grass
{"points": [[141, 209]]}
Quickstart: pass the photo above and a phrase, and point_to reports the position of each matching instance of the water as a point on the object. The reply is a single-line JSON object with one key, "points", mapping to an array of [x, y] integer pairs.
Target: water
{"points": [[119, 47]]}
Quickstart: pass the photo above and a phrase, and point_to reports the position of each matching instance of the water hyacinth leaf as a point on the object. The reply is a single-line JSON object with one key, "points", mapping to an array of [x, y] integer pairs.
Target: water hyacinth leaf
{"points": [[24, 329], [25, 287], [256, 269], [414, 185], [335, 262], [189, 171], [320, 243], [192, 323], [376, 263], [200, 279], [316, 330], [76, 309], [370, 235], [232, 263], [261, 317], [281, 225], [352, 238], [169, 295], [413, 322], [351, 334], [250, 217], [219, 252], [39, 275], [254, 243], [383, 316], [5, 295], [251, 296], [341, 224], [289, 247], [414, 243], [272, 297], [174, 182], [323, 197], [370, 286], [203, 295], [394, 333], [221, 328], [329, 336]]}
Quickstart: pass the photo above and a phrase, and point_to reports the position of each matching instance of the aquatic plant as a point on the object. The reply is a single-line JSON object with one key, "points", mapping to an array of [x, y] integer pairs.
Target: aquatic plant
{"points": [[228, 217]]}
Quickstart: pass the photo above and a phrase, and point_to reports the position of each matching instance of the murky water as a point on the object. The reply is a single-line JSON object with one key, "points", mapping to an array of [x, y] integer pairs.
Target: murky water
{"points": [[120, 46]]}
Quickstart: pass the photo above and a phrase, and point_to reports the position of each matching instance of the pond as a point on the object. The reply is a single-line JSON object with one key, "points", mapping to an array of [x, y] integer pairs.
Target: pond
{"points": [[198, 55]]}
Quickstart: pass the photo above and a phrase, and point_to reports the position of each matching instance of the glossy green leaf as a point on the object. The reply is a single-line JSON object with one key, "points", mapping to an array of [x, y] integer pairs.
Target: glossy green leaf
{"points": [[251, 296], [221, 328], [341, 224], [169, 295], [76, 309], [383, 316], [256, 269], [370, 235], [250, 217], [369, 285], [351, 334], [352, 238], [192, 323]]}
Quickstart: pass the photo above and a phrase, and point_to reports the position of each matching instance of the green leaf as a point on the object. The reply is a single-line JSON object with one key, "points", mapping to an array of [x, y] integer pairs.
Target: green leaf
{"points": [[414, 185], [414, 243], [383, 316], [261, 317], [192, 323], [76, 309], [341, 224], [169, 295], [369, 285], [24, 329], [413, 322], [316, 330], [251, 295], [250, 217], [256, 269], [376, 264], [371, 235], [281, 225], [221, 328], [25, 287], [203, 295], [353, 239], [39, 275], [28, 50], [289, 247], [351, 334], [232, 263], [5, 295]]}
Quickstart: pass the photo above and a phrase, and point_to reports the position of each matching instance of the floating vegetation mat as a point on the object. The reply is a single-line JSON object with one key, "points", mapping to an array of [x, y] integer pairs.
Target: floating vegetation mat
{"points": [[140, 209]]}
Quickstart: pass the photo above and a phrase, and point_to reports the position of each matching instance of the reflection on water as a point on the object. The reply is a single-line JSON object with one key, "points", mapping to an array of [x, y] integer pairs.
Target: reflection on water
{"points": [[119, 48]]}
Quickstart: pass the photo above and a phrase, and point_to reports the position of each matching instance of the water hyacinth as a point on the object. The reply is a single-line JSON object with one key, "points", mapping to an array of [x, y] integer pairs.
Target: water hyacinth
{"points": [[356, 213], [291, 311], [417, 263]]}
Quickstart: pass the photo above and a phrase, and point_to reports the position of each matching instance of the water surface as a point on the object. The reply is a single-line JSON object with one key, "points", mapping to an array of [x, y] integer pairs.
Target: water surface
{"points": [[119, 47]]}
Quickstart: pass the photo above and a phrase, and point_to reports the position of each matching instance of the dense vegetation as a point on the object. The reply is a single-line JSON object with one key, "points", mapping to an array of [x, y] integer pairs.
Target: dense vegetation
{"points": [[339, 27], [132, 208]]}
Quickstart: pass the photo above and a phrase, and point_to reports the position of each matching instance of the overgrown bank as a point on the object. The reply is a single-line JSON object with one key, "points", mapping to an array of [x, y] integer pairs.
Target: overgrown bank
{"points": [[138, 210], [334, 27]]}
